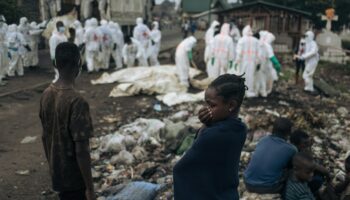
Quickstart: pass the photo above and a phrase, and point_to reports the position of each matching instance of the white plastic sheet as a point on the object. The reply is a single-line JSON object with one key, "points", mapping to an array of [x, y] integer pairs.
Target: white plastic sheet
{"points": [[145, 80]]}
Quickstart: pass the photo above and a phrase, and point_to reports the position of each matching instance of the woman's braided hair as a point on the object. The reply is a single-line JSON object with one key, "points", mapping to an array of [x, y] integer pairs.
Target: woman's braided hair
{"points": [[230, 86]]}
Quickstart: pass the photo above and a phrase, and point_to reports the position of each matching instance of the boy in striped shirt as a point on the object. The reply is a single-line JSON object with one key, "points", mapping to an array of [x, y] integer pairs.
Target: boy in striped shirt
{"points": [[303, 171]]}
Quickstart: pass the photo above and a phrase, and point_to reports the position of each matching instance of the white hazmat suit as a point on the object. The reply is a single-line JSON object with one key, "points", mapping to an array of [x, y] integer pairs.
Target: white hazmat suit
{"points": [[34, 33], [235, 34], [24, 29], [92, 39], [79, 33], [56, 38], [15, 42], [3, 49], [247, 59], [156, 37], [183, 57], [131, 52], [118, 41], [106, 44], [266, 74], [311, 58], [142, 34], [222, 53], [209, 36]]}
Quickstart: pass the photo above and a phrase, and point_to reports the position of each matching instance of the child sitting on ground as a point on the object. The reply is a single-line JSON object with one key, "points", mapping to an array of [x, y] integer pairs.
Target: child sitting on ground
{"points": [[303, 171], [267, 170], [343, 188], [303, 142], [209, 169]]}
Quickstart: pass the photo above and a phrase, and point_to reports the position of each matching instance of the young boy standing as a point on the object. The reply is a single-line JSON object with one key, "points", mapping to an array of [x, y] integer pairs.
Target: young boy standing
{"points": [[209, 169], [297, 186], [67, 127]]}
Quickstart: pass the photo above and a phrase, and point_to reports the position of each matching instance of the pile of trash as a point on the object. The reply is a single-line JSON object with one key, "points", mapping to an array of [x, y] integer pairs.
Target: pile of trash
{"points": [[142, 152]]}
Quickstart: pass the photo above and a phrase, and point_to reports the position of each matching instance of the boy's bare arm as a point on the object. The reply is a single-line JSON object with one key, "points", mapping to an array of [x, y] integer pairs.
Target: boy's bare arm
{"points": [[82, 150]]}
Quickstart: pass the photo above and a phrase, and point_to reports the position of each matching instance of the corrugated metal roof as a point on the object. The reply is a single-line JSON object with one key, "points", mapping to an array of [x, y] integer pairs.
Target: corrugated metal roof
{"points": [[241, 6]]}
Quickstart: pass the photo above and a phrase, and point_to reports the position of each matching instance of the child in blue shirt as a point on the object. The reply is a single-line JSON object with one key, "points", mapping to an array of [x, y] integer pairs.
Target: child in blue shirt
{"points": [[266, 171]]}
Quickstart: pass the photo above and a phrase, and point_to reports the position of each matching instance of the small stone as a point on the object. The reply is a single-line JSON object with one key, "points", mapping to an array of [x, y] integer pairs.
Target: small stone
{"points": [[343, 111]]}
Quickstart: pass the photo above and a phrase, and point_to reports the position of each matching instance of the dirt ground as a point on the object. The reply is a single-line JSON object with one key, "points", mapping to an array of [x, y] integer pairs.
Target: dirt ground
{"points": [[19, 118]]}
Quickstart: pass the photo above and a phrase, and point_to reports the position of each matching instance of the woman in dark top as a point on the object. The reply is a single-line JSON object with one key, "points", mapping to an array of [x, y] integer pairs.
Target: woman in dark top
{"points": [[209, 169]]}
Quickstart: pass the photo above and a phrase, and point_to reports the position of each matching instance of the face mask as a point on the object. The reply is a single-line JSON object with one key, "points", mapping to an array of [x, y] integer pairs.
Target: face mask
{"points": [[61, 29]]}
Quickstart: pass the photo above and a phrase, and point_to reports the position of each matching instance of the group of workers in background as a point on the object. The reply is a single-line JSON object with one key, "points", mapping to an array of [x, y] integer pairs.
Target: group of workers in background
{"points": [[251, 55], [226, 51], [98, 42], [18, 47], [101, 41]]}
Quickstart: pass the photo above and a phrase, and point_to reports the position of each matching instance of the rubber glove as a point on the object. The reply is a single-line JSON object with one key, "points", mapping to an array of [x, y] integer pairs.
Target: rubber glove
{"points": [[276, 63], [190, 56]]}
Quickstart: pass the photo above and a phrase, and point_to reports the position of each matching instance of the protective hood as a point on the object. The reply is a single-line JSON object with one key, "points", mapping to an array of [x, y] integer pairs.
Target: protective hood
{"points": [[214, 24], [309, 36], [103, 22], [155, 25], [23, 20], [139, 21], [247, 31], [114, 25], [225, 29], [269, 38], [33, 25], [192, 41], [263, 35], [77, 24], [93, 22], [87, 23], [12, 28]]}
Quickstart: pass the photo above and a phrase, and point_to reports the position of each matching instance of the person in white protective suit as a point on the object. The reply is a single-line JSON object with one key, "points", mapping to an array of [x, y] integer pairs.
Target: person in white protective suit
{"points": [[222, 53], [24, 29], [79, 33], [209, 36], [247, 59], [34, 33], [311, 58], [235, 34], [266, 74], [15, 43], [156, 37], [131, 51], [92, 40], [57, 38], [142, 34], [118, 44], [183, 59], [85, 9], [3, 50], [106, 43]]}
